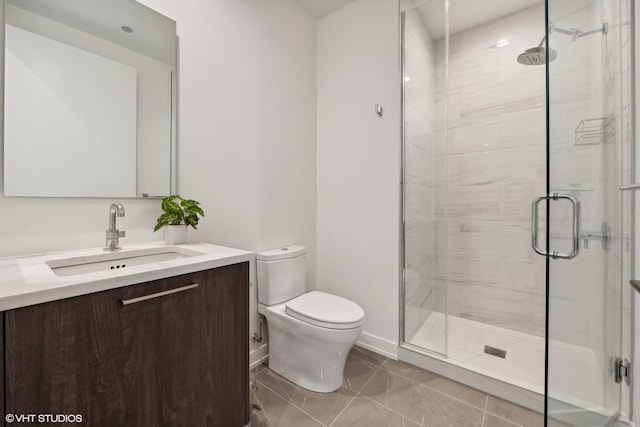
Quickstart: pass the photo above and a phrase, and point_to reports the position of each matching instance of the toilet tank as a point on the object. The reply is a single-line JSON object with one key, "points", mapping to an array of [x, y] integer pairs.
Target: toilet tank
{"points": [[281, 274]]}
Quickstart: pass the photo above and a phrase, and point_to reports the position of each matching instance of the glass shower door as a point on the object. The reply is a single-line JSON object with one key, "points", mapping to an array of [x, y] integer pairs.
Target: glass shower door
{"points": [[584, 209], [424, 146]]}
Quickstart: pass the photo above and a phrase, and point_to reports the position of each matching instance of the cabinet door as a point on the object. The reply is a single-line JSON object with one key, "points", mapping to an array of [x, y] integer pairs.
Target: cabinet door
{"points": [[176, 358]]}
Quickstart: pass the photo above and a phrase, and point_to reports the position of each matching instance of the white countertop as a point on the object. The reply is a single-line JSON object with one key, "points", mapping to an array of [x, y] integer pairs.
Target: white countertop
{"points": [[29, 280]]}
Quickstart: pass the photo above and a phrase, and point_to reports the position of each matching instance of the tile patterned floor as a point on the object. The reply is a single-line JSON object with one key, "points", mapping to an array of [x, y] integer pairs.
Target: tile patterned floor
{"points": [[380, 392]]}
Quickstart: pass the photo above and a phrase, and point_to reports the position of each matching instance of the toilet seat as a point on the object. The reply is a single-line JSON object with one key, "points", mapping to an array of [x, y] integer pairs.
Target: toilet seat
{"points": [[325, 310]]}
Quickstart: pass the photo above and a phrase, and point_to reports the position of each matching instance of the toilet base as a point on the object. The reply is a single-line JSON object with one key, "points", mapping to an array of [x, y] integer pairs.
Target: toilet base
{"points": [[307, 355]]}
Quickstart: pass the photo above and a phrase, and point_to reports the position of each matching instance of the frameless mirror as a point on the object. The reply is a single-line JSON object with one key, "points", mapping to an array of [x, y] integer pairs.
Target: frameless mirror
{"points": [[90, 99]]}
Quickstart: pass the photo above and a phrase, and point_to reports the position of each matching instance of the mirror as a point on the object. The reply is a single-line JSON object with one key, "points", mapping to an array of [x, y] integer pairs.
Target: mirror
{"points": [[90, 99]]}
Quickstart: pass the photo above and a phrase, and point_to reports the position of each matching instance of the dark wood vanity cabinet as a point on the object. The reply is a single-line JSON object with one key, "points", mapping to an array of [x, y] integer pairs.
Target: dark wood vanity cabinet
{"points": [[161, 353]]}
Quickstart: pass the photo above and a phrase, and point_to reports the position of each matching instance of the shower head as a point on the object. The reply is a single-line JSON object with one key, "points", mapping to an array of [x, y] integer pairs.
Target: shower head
{"points": [[537, 55]]}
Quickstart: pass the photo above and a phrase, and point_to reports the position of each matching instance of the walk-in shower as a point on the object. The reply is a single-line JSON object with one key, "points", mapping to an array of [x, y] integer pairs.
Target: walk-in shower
{"points": [[490, 124]]}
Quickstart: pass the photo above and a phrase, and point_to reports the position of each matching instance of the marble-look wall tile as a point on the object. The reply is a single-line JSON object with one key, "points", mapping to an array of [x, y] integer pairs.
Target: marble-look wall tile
{"points": [[495, 238], [474, 202], [514, 196], [570, 78], [418, 200], [502, 95], [509, 165], [571, 164], [417, 165], [506, 308], [473, 136], [496, 153], [519, 129], [419, 238], [496, 165], [474, 270], [522, 274]]}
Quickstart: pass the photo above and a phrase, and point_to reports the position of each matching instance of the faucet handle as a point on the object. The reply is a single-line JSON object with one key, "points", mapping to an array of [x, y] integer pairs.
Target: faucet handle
{"points": [[120, 233]]}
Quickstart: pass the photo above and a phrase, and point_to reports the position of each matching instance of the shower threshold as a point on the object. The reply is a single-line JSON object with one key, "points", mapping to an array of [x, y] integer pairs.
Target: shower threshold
{"points": [[474, 358], [519, 376]]}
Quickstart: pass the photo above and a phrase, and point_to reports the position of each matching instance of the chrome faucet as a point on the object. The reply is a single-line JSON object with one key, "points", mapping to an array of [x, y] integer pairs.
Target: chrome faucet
{"points": [[113, 234]]}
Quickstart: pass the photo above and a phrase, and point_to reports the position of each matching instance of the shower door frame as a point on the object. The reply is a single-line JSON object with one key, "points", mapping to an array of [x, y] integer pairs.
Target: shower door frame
{"points": [[623, 329], [401, 324], [438, 362], [434, 361]]}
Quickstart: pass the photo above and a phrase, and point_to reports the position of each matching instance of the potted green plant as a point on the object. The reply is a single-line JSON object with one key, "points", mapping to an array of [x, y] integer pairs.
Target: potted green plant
{"points": [[178, 214]]}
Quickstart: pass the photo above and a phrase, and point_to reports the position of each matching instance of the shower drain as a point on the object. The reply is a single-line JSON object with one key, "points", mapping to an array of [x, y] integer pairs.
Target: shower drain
{"points": [[495, 351]]}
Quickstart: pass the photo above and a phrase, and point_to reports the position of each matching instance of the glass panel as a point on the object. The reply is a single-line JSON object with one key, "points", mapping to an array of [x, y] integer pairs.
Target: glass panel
{"points": [[586, 140], [496, 121], [424, 45]]}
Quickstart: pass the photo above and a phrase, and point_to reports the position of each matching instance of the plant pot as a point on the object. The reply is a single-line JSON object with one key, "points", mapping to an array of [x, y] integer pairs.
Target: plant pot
{"points": [[175, 234]]}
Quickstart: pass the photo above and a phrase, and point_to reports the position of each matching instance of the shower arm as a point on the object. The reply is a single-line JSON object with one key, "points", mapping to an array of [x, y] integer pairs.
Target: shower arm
{"points": [[575, 33]]}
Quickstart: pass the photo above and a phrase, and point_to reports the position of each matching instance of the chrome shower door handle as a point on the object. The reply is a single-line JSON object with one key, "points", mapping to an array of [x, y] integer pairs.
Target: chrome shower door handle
{"points": [[575, 229], [534, 225]]}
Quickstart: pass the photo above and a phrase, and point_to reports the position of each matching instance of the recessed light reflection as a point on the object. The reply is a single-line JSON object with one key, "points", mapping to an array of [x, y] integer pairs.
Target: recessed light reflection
{"points": [[502, 43], [407, 78]]}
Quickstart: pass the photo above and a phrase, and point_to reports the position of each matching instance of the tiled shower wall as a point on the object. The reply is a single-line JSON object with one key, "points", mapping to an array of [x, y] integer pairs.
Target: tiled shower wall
{"points": [[496, 165], [492, 141]]}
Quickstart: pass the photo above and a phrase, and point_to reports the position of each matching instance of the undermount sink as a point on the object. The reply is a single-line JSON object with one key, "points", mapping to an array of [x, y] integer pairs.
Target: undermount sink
{"points": [[117, 260]]}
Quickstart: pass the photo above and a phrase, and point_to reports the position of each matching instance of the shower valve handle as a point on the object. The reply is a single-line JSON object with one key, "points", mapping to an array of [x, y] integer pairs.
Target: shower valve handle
{"points": [[604, 235]]}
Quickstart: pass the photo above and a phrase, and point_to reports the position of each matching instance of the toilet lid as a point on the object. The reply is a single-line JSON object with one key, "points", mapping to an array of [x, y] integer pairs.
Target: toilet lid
{"points": [[325, 310]]}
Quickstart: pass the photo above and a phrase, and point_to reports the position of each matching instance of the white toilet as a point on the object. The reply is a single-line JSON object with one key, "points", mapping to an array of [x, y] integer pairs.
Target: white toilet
{"points": [[310, 334]]}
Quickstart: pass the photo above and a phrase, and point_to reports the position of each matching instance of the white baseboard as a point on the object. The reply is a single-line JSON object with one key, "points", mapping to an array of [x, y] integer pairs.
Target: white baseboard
{"points": [[378, 345], [258, 356]]}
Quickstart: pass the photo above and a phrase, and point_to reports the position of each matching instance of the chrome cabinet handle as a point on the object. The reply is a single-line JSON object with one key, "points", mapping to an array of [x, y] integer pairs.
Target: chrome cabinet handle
{"points": [[158, 294], [575, 232]]}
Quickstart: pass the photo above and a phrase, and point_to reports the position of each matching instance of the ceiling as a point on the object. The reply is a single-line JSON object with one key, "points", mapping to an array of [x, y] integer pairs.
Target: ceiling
{"points": [[320, 8], [153, 34], [465, 13]]}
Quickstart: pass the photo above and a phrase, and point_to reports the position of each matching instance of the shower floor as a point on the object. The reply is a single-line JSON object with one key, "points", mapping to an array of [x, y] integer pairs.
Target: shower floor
{"points": [[576, 375], [524, 362]]}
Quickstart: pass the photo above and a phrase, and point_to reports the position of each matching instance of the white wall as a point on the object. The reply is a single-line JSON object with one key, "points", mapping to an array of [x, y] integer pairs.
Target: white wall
{"points": [[246, 131], [359, 163], [246, 139]]}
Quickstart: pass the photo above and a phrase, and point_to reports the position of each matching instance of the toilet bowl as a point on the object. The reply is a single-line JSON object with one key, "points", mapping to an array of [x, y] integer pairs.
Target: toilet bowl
{"points": [[310, 334]]}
